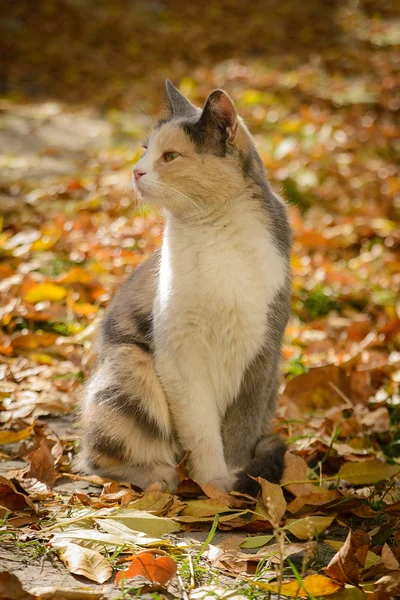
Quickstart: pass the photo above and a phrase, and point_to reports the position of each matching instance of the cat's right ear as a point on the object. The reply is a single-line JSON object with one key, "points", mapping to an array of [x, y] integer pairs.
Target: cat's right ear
{"points": [[176, 104]]}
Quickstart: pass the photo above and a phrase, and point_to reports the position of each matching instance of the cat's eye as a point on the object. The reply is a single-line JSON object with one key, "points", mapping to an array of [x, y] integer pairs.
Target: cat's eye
{"points": [[169, 156]]}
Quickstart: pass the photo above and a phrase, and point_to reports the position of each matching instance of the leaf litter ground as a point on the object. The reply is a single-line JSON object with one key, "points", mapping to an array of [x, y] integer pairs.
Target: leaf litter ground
{"points": [[71, 231]]}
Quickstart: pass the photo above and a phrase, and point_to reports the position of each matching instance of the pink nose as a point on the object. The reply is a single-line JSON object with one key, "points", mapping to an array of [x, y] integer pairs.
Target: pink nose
{"points": [[138, 174]]}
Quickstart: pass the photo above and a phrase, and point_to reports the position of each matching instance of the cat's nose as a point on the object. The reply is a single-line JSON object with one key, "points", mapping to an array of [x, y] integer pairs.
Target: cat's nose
{"points": [[137, 173]]}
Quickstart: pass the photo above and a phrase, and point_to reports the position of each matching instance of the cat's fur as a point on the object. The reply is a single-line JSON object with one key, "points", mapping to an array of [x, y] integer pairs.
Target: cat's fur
{"points": [[189, 349]]}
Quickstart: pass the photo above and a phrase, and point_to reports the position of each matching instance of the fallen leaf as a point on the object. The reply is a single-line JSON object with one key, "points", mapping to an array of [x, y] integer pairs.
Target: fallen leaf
{"points": [[345, 566], [45, 291], [88, 538], [204, 508], [256, 541], [312, 391], [306, 528], [11, 588], [155, 566], [9, 437], [87, 563], [318, 499], [128, 535], [31, 341], [273, 500], [11, 498], [389, 559], [367, 472], [387, 587], [317, 585], [145, 522], [65, 593], [42, 465], [296, 469]]}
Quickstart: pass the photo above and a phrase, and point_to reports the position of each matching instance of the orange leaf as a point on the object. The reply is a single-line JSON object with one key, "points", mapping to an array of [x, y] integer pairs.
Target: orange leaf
{"points": [[31, 341], [159, 569]]}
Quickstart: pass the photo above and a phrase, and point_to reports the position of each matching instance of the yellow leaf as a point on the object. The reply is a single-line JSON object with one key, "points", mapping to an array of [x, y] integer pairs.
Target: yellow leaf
{"points": [[305, 529], [45, 291], [367, 472], [86, 562], [8, 437], [42, 358], [204, 508], [317, 585]]}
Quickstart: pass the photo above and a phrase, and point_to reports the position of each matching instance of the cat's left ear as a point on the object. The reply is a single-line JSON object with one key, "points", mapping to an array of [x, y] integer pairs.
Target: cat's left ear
{"points": [[220, 112]]}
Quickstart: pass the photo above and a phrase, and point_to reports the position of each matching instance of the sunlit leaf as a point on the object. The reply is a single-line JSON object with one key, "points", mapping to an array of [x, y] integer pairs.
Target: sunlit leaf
{"points": [[45, 291], [160, 569], [9, 437], [317, 585], [367, 472], [308, 527], [87, 563]]}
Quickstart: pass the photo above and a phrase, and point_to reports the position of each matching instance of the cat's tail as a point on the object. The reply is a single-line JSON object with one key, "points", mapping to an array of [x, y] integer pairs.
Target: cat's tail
{"points": [[268, 463]]}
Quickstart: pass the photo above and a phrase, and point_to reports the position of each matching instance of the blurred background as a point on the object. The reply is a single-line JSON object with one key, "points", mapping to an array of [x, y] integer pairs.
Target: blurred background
{"points": [[318, 85]]}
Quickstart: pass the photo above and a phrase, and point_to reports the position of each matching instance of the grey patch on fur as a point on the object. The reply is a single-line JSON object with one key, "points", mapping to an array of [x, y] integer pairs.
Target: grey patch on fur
{"points": [[114, 336], [253, 168], [144, 324], [248, 419], [210, 132], [130, 406], [176, 104], [107, 445]]}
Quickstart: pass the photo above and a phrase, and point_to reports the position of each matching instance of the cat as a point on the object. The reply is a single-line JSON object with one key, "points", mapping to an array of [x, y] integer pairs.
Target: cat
{"points": [[189, 350]]}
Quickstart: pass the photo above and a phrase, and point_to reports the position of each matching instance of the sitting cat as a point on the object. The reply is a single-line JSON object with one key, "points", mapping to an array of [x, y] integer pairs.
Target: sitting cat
{"points": [[189, 350]]}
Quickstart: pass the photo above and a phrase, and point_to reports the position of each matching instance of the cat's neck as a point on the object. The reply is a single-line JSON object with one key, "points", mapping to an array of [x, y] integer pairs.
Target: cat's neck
{"points": [[216, 216]]}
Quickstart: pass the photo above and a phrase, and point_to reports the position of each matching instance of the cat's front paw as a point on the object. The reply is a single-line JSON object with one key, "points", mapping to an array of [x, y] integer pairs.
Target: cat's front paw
{"points": [[223, 483]]}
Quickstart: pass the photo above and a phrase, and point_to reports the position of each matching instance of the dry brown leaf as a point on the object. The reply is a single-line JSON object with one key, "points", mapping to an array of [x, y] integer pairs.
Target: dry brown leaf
{"points": [[311, 390], [345, 566], [309, 502], [11, 498], [42, 465], [387, 587], [389, 559], [31, 341], [11, 588], [273, 500], [296, 469], [87, 563]]}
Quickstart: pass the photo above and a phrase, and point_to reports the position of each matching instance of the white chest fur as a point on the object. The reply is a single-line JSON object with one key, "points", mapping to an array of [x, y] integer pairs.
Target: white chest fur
{"points": [[216, 283]]}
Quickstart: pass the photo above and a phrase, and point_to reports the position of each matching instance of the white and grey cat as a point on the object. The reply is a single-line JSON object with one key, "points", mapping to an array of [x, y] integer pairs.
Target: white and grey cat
{"points": [[189, 350]]}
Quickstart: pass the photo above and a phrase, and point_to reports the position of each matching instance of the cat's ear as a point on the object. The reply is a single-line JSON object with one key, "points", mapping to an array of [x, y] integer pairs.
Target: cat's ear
{"points": [[176, 104], [220, 113]]}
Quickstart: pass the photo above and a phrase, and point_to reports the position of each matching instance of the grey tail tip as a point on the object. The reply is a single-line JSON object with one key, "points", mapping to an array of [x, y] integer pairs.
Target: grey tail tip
{"points": [[269, 465]]}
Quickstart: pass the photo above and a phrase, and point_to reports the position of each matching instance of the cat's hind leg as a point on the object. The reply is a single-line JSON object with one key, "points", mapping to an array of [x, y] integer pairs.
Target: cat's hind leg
{"points": [[127, 430]]}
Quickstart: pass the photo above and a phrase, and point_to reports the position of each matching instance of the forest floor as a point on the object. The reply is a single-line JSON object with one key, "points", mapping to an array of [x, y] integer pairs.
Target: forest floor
{"points": [[324, 112]]}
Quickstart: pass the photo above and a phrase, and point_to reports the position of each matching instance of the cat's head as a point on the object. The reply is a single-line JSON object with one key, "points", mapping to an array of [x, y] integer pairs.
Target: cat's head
{"points": [[193, 160]]}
